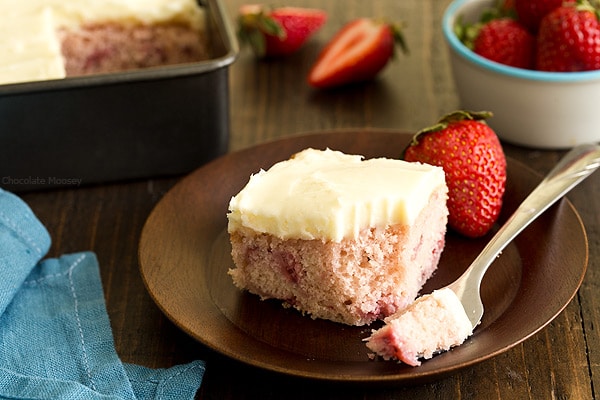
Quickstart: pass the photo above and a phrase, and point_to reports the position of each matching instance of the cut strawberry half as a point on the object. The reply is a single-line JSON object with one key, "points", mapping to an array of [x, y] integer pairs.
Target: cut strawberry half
{"points": [[356, 53], [278, 31]]}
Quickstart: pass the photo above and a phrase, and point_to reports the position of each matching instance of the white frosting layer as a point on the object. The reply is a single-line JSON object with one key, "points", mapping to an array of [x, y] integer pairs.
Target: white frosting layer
{"points": [[76, 12], [331, 195], [30, 48]]}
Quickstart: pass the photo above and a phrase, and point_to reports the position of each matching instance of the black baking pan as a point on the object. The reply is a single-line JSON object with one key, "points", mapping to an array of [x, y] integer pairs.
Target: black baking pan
{"points": [[144, 123]]}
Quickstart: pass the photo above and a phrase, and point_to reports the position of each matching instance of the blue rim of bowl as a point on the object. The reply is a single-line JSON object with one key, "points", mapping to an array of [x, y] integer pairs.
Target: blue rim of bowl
{"points": [[466, 53]]}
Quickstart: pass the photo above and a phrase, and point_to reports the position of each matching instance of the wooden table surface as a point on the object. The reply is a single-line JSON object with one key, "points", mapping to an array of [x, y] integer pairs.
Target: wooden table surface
{"points": [[270, 99]]}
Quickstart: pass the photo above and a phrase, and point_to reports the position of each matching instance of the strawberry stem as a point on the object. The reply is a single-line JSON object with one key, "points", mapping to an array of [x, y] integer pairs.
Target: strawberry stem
{"points": [[454, 116], [588, 5], [399, 37], [254, 25], [460, 115]]}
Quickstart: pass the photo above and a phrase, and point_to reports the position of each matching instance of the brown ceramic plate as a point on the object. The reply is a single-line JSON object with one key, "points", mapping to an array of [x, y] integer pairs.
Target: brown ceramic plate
{"points": [[184, 256]]}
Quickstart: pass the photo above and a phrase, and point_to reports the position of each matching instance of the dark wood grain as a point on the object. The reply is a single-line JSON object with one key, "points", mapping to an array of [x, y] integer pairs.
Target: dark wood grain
{"points": [[270, 99]]}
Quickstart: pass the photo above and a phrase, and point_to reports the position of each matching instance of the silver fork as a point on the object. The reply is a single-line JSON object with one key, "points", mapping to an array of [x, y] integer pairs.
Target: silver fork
{"points": [[574, 167]]}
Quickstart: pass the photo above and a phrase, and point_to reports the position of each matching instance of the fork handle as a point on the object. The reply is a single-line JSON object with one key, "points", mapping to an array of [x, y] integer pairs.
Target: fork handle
{"points": [[574, 167]]}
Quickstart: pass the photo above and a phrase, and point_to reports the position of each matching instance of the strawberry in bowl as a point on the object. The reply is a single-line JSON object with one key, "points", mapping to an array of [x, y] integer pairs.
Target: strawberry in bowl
{"points": [[541, 109], [502, 40], [569, 39]]}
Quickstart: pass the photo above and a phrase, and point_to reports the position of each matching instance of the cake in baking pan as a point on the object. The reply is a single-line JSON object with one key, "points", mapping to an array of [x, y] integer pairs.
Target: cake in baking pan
{"points": [[53, 39]]}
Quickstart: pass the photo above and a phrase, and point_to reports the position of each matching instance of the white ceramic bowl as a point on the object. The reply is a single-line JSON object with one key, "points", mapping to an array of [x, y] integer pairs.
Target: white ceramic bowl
{"points": [[545, 110]]}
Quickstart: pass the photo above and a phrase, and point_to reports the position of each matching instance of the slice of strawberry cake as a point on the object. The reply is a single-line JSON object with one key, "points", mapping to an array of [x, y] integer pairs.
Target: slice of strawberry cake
{"points": [[434, 323], [339, 237]]}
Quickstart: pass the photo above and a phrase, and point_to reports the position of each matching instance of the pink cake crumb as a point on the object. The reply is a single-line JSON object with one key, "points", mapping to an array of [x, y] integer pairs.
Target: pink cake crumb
{"points": [[110, 47], [431, 324]]}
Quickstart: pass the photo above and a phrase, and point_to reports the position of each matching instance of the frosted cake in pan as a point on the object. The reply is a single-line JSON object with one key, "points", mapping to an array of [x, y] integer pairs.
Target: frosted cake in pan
{"points": [[53, 39]]}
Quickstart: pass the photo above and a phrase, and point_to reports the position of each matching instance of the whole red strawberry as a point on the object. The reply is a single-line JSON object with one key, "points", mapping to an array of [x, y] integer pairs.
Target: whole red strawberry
{"points": [[358, 52], [278, 31], [507, 42], [569, 39], [531, 12], [471, 155]]}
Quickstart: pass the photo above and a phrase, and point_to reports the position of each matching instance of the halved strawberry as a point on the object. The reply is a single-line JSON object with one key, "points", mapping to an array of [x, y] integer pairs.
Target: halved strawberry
{"points": [[356, 53], [471, 155], [273, 32]]}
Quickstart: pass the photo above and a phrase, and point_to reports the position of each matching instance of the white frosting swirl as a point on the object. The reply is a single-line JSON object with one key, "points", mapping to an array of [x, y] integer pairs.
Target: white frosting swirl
{"points": [[331, 195]]}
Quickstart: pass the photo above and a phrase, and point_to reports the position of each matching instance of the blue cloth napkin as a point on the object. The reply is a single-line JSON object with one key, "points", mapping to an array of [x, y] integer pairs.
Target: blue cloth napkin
{"points": [[55, 336]]}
